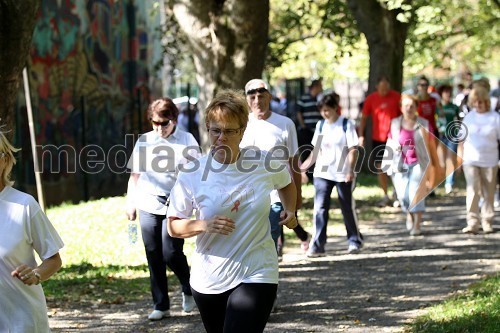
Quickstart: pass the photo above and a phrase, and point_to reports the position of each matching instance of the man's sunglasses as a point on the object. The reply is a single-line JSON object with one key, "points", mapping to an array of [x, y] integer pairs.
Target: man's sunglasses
{"points": [[256, 90], [162, 124]]}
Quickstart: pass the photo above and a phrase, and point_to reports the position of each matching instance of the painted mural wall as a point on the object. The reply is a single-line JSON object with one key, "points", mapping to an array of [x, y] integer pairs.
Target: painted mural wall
{"points": [[90, 70]]}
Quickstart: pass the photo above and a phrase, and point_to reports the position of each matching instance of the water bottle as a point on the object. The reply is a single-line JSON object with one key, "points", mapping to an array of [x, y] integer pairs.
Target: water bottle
{"points": [[132, 232]]}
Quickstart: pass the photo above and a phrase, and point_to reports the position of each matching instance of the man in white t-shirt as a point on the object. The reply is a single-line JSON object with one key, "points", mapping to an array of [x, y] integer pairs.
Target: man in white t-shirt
{"points": [[274, 133]]}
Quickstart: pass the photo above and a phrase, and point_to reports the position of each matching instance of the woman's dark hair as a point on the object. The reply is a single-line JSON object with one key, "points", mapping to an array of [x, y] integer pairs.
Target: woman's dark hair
{"points": [[329, 100], [164, 107], [443, 88], [424, 78]]}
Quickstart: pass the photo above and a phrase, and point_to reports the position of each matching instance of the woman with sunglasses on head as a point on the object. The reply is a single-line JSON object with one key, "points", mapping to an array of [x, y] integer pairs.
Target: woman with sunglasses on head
{"points": [[24, 229], [156, 157], [408, 146], [235, 266]]}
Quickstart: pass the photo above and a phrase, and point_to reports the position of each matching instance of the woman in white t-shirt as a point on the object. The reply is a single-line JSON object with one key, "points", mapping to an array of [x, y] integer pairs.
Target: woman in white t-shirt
{"points": [[479, 151], [153, 164], [234, 275], [335, 154], [24, 229]]}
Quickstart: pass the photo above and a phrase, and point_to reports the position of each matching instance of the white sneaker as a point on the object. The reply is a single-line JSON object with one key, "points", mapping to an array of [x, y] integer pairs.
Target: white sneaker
{"points": [[159, 315], [448, 188], [188, 303], [415, 232], [409, 223], [353, 248], [470, 229]]}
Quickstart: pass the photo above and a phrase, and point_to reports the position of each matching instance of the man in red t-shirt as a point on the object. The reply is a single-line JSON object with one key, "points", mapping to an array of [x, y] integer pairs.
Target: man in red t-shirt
{"points": [[428, 108], [382, 105]]}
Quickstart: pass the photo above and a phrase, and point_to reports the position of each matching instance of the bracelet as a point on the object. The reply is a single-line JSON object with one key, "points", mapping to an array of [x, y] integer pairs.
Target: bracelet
{"points": [[38, 277]]}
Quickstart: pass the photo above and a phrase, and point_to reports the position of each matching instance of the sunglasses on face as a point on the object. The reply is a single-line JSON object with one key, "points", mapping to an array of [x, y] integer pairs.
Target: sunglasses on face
{"points": [[423, 85], [256, 90], [162, 123]]}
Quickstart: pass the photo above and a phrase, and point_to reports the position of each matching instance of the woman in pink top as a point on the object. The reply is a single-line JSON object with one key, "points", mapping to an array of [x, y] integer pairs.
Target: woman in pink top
{"points": [[408, 144]]}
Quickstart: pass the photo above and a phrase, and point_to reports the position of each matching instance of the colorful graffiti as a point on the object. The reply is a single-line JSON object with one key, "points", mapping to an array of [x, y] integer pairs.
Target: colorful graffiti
{"points": [[88, 61]]}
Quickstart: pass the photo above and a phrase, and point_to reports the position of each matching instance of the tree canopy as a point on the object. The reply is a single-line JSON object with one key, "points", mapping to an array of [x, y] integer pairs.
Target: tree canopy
{"points": [[448, 34]]}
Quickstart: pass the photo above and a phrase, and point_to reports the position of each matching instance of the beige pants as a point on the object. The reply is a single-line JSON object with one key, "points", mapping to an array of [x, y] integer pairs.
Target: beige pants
{"points": [[481, 182]]}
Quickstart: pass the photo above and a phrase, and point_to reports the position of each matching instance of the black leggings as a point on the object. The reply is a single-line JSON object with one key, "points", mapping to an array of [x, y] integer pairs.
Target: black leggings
{"points": [[244, 309]]}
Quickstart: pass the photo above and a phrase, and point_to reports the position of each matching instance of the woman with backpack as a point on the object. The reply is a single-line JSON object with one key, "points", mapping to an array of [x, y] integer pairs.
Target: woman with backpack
{"points": [[335, 141]]}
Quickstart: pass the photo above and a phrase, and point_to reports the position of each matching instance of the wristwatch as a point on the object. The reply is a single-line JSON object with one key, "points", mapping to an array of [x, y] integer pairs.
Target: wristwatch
{"points": [[38, 277]]}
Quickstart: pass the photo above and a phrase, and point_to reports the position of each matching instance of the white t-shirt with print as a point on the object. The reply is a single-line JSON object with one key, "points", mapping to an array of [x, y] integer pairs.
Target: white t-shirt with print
{"points": [[24, 228], [276, 134], [481, 132], [156, 160], [333, 144], [239, 191]]}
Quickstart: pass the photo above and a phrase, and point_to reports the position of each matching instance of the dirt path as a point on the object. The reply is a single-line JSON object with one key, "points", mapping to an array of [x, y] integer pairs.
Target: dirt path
{"points": [[379, 290]]}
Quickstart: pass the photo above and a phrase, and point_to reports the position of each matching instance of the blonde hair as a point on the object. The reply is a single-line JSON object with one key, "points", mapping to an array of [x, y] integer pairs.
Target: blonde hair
{"points": [[228, 105], [9, 150], [412, 97], [479, 93]]}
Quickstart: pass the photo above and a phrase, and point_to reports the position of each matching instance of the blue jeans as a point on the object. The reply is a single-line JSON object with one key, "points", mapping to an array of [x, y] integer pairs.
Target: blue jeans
{"points": [[322, 199], [453, 146], [162, 250], [406, 184]]}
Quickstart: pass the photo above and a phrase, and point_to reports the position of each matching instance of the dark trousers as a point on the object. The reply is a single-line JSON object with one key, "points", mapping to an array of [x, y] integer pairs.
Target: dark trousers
{"points": [[162, 250], [322, 199], [244, 309], [304, 137]]}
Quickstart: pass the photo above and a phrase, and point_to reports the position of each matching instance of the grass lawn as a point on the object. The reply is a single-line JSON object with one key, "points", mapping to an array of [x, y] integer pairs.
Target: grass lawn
{"points": [[475, 310]]}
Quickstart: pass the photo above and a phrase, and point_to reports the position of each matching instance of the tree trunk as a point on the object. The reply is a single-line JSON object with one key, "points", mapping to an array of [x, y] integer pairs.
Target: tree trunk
{"points": [[17, 22], [386, 37], [228, 40]]}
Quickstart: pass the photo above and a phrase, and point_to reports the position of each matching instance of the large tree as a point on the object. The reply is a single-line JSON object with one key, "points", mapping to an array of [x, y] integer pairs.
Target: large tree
{"points": [[386, 30], [228, 40], [384, 26], [17, 22]]}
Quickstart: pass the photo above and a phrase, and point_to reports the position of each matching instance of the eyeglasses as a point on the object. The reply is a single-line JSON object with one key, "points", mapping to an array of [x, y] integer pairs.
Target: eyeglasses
{"points": [[231, 132], [423, 84], [162, 124], [256, 90]]}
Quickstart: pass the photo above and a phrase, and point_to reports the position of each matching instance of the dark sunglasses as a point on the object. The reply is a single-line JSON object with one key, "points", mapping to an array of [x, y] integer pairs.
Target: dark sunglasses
{"points": [[162, 124], [423, 84], [256, 90]]}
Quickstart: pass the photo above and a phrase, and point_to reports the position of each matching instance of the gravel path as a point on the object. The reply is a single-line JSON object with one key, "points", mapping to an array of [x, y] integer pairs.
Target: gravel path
{"points": [[379, 290]]}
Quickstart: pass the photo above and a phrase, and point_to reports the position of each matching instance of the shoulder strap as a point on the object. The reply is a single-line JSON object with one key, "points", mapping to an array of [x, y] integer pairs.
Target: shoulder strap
{"points": [[344, 125], [321, 124]]}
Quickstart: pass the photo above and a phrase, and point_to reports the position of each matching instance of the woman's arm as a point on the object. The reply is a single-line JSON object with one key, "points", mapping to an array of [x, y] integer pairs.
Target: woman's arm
{"points": [[186, 228], [352, 158], [287, 196], [41, 273], [131, 188], [310, 160]]}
